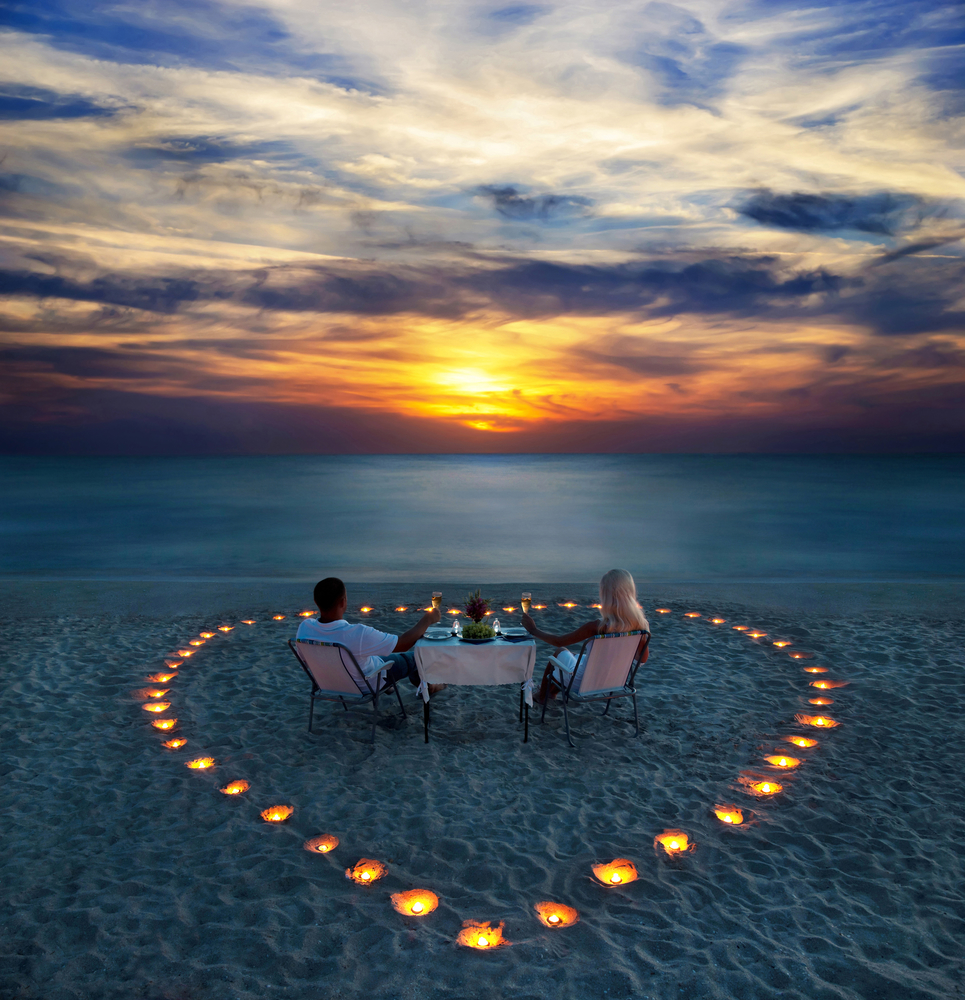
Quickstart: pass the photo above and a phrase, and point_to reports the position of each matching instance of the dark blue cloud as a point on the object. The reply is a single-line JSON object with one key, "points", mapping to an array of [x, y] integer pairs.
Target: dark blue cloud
{"points": [[511, 203], [200, 149], [19, 103], [205, 33], [883, 212], [163, 295]]}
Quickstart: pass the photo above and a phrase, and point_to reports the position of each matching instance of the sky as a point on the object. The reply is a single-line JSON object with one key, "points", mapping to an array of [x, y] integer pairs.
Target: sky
{"points": [[295, 227]]}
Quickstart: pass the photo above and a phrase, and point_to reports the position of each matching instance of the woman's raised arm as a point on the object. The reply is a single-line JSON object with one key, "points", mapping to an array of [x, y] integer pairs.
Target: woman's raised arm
{"points": [[584, 632]]}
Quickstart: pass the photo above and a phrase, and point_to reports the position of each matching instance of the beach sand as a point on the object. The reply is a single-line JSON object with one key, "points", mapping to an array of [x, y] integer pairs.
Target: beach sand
{"points": [[128, 875]]}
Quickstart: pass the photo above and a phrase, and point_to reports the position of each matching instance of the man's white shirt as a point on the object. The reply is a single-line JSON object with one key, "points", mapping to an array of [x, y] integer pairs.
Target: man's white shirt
{"points": [[366, 643]]}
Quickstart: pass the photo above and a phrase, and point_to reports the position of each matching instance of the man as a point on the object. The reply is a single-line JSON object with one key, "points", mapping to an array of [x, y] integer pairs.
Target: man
{"points": [[373, 649]]}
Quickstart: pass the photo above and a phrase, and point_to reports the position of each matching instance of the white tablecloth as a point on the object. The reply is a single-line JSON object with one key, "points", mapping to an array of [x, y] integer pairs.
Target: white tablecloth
{"points": [[450, 661]]}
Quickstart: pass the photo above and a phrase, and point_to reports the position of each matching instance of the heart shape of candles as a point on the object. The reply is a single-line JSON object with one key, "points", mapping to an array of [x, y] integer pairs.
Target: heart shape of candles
{"points": [[618, 872], [415, 902]]}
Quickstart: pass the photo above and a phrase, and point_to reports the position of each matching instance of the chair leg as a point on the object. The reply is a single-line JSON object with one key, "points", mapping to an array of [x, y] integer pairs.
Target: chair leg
{"points": [[526, 725], [542, 715], [636, 718], [520, 704], [375, 714], [566, 720], [399, 696], [607, 709], [311, 711], [425, 718]]}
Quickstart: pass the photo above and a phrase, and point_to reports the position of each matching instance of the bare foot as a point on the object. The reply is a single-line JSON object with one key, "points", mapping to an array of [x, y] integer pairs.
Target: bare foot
{"points": [[436, 688]]}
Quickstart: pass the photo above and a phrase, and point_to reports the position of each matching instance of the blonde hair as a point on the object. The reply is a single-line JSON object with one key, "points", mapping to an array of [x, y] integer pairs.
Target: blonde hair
{"points": [[618, 600]]}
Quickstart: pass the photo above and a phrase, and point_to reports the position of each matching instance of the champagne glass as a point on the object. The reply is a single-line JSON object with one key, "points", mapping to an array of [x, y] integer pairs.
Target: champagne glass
{"points": [[436, 598], [526, 601]]}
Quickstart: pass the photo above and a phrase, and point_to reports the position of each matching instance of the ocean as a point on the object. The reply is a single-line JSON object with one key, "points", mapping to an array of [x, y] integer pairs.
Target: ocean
{"points": [[684, 519]]}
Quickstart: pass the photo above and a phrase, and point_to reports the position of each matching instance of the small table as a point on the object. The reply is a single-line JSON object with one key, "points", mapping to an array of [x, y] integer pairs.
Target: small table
{"points": [[452, 661]]}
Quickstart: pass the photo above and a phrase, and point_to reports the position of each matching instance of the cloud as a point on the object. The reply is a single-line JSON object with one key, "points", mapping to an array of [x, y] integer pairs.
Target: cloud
{"points": [[885, 213], [20, 103], [510, 203]]}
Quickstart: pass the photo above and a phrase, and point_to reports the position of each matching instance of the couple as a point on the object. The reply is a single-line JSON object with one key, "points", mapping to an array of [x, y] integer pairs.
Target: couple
{"points": [[380, 651]]}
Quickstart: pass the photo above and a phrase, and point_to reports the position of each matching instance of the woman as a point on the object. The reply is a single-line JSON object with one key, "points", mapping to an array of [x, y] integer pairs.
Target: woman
{"points": [[619, 612]]}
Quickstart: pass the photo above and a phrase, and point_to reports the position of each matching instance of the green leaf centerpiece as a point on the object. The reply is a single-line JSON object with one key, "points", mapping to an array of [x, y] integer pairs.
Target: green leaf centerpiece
{"points": [[476, 608]]}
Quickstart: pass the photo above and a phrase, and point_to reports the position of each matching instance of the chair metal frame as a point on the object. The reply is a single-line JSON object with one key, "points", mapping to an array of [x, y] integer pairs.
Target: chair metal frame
{"points": [[628, 690], [345, 696]]}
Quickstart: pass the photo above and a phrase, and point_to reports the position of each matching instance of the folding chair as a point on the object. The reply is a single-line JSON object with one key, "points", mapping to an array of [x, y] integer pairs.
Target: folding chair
{"points": [[336, 676], [610, 664]]}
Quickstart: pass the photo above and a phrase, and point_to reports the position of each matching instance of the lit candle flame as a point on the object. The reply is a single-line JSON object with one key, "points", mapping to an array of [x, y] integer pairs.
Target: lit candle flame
{"points": [[815, 670], [402, 608], [247, 621], [597, 606], [509, 609], [173, 744], [692, 614], [781, 644], [663, 611], [798, 654], [321, 845], [173, 664], [164, 723], [569, 604], [453, 611], [821, 721], [236, 788], [757, 635], [415, 902], [539, 607], [160, 678], [197, 642], [785, 762], [277, 814], [801, 741], [366, 871], [186, 653], [206, 635], [741, 628], [820, 701], [617, 872], [201, 763], [277, 618], [718, 621], [826, 685], [305, 614], [556, 915], [225, 628], [758, 785], [157, 706], [365, 610], [481, 935], [729, 814], [673, 842]]}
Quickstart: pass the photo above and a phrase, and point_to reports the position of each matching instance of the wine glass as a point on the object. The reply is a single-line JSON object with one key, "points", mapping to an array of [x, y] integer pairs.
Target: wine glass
{"points": [[526, 601], [436, 598]]}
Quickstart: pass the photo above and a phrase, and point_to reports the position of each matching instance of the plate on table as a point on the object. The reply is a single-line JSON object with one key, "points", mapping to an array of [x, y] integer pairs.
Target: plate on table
{"points": [[479, 642], [515, 633], [437, 634]]}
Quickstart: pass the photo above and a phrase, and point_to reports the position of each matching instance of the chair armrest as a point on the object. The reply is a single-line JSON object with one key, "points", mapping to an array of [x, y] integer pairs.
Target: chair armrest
{"points": [[561, 666]]}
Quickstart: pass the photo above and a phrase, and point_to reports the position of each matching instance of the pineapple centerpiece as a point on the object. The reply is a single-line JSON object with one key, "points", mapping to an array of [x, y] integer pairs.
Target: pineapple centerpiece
{"points": [[476, 628]]}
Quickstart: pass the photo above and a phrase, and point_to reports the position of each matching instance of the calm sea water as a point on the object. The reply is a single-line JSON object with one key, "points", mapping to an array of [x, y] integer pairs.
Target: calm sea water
{"points": [[484, 518]]}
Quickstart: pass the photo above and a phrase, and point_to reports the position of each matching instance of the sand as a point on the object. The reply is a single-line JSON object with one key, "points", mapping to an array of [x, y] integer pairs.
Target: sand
{"points": [[126, 874]]}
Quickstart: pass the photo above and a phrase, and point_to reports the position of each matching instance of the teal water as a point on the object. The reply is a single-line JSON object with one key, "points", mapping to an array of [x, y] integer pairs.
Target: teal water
{"points": [[484, 518]]}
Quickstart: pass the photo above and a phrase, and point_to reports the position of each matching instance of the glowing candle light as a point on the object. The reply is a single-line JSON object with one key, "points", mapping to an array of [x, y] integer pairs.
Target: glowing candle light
{"points": [[365, 610], [186, 652], [200, 763], [157, 692], [277, 618], [481, 935], [509, 609], [556, 914], [305, 614], [821, 721], [756, 784], [569, 604], [160, 678], [173, 664], [597, 606], [226, 628], [820, 701], [454, 611], [322, 844], [235, 788], [815, 670], [785, 762], [663, 611], [826, 685], [757, 635], [174, 744], [197, 642], [415, 902], [402, 607], [718, 621], [692, 614], [247, 621], [157, 706], [674, 842], [800, 741], [164, 723], [540, 607], [781, 643], [277, 814], [206, 635], [366, 871], [617, 872], [729, 814], [741, 628]]}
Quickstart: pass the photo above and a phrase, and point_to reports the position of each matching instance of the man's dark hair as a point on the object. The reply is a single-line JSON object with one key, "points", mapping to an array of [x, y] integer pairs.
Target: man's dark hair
{"points": [[328, 592]]}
